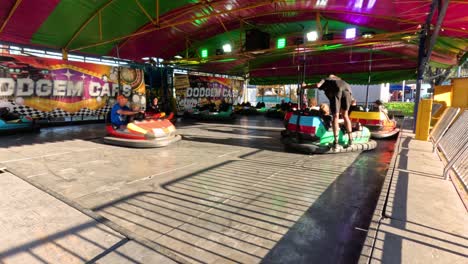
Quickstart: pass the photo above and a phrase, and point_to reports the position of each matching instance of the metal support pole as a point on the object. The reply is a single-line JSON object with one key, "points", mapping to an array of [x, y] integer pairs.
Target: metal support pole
{"points": [[403, 89], [118, 69], [64, 54], [369, 80], [157, 12], [425, 49], [303, 76]]}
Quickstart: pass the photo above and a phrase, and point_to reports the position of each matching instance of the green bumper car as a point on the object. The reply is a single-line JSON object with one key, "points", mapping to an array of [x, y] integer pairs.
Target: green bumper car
{"points": [[312, 134], [214, 116]]}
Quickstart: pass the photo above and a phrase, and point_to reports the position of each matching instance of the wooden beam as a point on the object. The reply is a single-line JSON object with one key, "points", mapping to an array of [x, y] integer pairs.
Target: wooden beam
{"points": [[10, 14], [313, 47], [83, 26], [222, 23], [319, 25], [100, 26], [329, 11], [157, 12], [185, 12], [64, 54], [333, 63], [146, 13]]}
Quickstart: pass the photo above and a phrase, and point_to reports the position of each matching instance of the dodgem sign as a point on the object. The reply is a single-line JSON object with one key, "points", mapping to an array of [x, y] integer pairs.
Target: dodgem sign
{"points": [[39, 87], [63, 88]]}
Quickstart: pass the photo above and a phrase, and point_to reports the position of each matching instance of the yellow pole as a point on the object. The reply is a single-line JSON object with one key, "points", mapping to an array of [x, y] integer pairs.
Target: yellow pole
{"points": [[423, 120], [157, 12], [145, 12], [64, 54], [100, 26]]}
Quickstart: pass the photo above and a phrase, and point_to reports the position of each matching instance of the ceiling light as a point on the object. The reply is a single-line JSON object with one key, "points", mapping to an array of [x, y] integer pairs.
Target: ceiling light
{"points": [[350, 33], [321, 3], [281, 43], [312, 36], [227, 48], [204, 53]]}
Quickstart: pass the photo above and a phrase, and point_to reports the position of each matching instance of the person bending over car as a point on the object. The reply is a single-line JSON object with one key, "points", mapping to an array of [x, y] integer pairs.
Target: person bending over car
{"points": [[120, 113], [338, 93]]}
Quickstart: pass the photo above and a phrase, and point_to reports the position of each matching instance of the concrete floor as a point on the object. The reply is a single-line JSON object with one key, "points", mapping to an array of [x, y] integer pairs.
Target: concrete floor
{"points": [[424, 220], [225, 193]]}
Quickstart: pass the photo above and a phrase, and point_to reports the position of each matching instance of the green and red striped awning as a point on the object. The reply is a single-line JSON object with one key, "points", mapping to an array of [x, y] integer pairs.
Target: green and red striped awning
{"points": [[134, 29]]}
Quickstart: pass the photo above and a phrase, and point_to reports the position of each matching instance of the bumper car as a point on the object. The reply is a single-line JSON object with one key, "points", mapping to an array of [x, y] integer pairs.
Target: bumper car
{"points": [[12, 122], [309, 133], [275, 112], [246, 110], [379, 124], [214, 116], [147, 133], [160, 115], [262, 110]]}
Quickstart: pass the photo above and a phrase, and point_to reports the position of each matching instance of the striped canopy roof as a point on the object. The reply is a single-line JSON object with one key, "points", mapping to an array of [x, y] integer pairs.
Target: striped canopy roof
{"points": [[135, 29]]}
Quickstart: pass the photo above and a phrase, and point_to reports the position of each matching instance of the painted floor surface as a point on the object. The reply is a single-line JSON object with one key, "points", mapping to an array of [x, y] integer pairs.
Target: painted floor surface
{"points": [[226, 193], [420, 217]]}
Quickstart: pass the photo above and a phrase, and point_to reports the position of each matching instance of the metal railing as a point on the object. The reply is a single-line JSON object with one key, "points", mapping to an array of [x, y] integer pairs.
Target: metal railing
{"points": [[455, 137], [453, 144], [443, 125], [461, 166]]}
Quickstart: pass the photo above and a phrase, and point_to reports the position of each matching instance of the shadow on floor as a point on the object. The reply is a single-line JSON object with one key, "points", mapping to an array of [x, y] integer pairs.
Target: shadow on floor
{"points": [[263, 207], [54, 134], [54, 248], [249, 212]]}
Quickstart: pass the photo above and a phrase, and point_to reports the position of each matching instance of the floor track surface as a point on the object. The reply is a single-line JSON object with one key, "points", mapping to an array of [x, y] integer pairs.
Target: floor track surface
{"points": [[226, 193]]}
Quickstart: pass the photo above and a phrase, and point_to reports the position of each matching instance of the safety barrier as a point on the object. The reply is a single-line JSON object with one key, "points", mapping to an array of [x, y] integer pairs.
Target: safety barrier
{"points": [[443, 125], [454, 146], [461, 166], [455, 137]]}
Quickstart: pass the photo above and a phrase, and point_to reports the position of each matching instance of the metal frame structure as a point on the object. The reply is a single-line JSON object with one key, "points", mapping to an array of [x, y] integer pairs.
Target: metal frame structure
{"points": [[174, 21], [10, 14], [463, 152], [425, 47], [24, 50], [170, 24]]}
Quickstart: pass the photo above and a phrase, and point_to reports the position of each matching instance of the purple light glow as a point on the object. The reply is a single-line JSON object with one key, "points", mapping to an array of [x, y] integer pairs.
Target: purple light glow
{"points": [[371, 4], [358, 4]]}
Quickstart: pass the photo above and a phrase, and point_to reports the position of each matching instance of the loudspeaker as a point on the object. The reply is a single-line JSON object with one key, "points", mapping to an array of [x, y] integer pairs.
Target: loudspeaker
{"points": [[256, 40], [328, 36]]}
